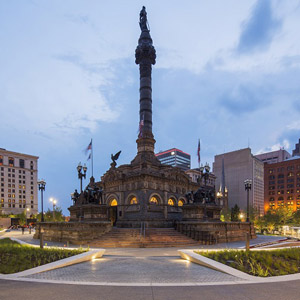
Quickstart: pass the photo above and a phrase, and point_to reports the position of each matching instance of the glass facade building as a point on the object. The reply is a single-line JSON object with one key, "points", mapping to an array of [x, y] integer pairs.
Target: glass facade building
{"points": [[175, 158]]}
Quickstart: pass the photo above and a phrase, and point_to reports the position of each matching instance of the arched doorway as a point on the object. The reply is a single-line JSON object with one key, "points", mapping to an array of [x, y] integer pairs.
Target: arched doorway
{"points": [[113, 211]]}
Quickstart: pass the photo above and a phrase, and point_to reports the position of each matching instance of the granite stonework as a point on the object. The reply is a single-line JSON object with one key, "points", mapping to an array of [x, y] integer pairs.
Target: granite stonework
{"points": [[144, 193], [74, 232], [216, 232]]}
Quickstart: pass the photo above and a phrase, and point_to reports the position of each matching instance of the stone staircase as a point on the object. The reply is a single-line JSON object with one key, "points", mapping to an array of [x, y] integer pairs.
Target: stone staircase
{"points": [[154, 238]]}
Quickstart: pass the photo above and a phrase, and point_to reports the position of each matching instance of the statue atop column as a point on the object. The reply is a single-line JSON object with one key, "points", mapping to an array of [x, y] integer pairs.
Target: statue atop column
{"points": [[143, 20]]}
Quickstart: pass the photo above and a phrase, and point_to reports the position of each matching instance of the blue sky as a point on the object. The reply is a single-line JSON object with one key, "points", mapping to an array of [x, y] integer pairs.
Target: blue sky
{"points": [[226, 72]]}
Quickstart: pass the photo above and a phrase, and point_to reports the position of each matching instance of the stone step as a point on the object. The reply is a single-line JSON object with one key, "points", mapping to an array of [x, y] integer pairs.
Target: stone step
{"points": [[154, 238]]}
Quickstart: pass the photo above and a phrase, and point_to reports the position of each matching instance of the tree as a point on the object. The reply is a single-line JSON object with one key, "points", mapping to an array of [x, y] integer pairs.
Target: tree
{"points": [[235, 213], [296, 217], [22, 218], [225, 214], [285, 214], [48, 215]]}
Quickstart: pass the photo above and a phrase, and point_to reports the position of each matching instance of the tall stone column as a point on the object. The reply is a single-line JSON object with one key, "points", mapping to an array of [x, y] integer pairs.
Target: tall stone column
{"points": [[145, 56]]}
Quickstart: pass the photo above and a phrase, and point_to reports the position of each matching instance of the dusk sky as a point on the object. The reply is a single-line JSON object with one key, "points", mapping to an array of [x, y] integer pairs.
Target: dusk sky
{"points": [[227, 72]]}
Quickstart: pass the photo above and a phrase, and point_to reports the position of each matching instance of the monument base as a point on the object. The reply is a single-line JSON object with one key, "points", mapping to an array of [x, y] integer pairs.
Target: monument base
{"points": [[88, 213], [73, 232], [216, 232]]}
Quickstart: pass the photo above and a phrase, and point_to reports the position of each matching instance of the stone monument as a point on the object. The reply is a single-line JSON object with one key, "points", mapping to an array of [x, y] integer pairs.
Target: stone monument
{"points": [[144, 193]]}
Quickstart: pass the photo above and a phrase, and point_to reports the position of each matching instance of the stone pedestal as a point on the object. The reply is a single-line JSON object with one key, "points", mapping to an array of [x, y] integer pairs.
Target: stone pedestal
{"points": [[88, 213], [74, 232], [196, 212]]}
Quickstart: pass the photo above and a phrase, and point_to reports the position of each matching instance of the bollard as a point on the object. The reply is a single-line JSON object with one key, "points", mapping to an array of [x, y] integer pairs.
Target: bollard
{"points": [[247, 241], [41, 240]]}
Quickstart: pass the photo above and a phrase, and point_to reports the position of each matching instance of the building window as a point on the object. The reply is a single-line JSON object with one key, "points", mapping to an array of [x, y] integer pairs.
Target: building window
{"points": [[11, 161], [1, 160], [133, 200], [180, 202], [114, 202], [154, 200], [290, 174], [22, 163], [171, 202]]}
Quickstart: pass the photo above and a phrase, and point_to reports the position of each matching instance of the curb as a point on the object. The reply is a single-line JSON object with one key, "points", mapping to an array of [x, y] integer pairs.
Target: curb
{"points": [[75, 259], [212, 264]]}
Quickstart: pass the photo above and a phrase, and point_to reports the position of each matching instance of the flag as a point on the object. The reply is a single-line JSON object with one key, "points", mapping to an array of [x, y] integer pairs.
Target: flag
{"points": [[141, 125], [89, 147], [198, 151], [90, 156]]}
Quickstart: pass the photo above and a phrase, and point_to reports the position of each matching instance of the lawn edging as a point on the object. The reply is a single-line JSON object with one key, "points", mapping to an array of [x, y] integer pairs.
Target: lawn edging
{"points": [[75, 259], [190, 255]]}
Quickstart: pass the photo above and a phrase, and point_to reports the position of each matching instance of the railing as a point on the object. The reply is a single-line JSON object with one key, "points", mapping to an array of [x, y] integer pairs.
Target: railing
{"points": [[205, 237], [143, 230]]}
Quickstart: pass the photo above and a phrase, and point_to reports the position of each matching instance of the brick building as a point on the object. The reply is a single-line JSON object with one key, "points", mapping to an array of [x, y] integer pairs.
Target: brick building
{"points": [[282, 184]]}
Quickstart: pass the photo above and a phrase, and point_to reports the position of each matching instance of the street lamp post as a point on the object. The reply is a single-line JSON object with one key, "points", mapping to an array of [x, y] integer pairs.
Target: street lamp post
{"points": [[80, 174], [54, 203], [248, 183], [42, 183], [204, 173]]}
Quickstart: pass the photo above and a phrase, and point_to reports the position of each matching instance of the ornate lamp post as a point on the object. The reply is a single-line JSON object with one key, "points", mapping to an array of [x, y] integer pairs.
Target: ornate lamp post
{"points": [[54, 201], [80, 174], [204, 172], [42, 183], [248, 183]]}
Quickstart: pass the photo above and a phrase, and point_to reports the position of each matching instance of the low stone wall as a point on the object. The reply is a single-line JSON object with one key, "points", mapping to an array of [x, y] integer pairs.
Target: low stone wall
{"points": [[74, 232], [5, 222], [216, 232]]}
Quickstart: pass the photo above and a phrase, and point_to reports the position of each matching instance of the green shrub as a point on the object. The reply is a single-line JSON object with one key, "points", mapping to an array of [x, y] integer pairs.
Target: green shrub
{"points": [[259, 263], [16, 258]]}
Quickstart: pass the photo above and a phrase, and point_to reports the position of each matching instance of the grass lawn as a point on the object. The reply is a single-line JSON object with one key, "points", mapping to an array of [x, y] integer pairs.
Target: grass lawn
{"points": [[15, 257], [259, 263]]}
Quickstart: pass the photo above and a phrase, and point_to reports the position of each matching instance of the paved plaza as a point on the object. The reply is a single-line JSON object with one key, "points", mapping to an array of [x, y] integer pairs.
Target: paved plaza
{"points": [[136, 270], [157, 273]]}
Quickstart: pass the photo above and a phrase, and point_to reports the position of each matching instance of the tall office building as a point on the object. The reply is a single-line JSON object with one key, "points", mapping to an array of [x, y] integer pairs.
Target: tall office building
{"points": [[238, 166], [175, 158], [274, 156], [18, 178]]}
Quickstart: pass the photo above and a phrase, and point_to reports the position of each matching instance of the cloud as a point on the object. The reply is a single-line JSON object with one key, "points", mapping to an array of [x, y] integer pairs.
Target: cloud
{"points": [[280, 145], [242, 99], [259, 30]]}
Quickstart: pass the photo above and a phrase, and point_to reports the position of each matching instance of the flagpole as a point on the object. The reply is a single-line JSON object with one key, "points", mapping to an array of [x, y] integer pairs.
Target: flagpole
{"points": [[92, 158]]}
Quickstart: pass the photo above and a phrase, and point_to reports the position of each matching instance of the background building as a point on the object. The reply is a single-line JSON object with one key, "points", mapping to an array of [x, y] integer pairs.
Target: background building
{"points": [[195, 175], [175, 158], [282, 184], [296, 152], [238, 166], [18, 177], [274, 156]]}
